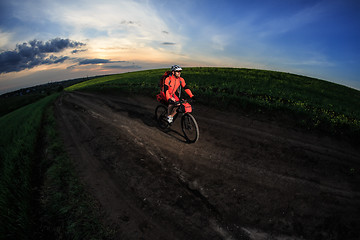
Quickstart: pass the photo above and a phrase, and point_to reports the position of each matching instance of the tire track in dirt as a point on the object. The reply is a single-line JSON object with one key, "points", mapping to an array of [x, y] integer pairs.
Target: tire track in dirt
{"points": [[244, 178]]}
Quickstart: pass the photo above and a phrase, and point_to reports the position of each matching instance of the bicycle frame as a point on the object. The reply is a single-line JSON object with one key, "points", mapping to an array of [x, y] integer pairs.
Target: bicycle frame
{"points": [[178, 112], [188, 123]]}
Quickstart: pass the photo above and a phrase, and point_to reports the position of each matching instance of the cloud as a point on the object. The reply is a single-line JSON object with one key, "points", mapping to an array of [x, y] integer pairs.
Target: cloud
{"points": [[283, 24], [168, 43], [4, 38], [129, 27], [125, 24], [122, 67], [54, 45], [96, 61], [35, 53], [78, 50], [105, 63]]}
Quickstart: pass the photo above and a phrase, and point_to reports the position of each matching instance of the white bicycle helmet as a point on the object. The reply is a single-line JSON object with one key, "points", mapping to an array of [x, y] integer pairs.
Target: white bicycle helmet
{"points": [[176, 68]]}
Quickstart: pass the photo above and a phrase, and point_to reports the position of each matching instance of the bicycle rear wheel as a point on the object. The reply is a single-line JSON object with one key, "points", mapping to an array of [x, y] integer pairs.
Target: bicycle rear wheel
{"points": [[190, 128], [161, 114]]}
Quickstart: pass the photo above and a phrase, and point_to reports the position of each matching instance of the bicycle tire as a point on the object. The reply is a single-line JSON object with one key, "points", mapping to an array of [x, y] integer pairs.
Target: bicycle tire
{"points": [[190, 128], [161, 116]]}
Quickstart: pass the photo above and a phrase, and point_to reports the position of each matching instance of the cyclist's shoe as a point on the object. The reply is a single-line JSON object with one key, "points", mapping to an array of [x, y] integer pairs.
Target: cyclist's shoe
{"points": [[170, 119]]}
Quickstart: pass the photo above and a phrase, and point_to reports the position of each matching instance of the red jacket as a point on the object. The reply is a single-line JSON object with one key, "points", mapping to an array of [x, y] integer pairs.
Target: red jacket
{"points": [[172, 89]]}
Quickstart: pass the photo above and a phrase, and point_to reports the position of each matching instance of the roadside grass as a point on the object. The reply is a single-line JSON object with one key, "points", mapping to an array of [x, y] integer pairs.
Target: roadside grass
{"points": [[40, 196], [19, 131], [310, 103], [68, 211]]}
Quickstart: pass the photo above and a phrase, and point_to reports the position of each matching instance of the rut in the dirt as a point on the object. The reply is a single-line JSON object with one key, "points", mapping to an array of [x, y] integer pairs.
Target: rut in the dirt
{"points": [[244, 179]]}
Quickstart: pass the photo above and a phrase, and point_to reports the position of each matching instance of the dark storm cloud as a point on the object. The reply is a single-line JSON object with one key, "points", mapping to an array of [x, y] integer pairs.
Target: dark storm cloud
{"points": [[35, 53], [55, 45]]}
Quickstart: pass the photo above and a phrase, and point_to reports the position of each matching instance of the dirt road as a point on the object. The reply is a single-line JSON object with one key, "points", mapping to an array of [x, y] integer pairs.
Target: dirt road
{"points": [[244, 179]]}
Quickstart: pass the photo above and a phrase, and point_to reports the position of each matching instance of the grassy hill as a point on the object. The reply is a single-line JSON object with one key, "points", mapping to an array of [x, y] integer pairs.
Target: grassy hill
{"points": [[310, 103]]}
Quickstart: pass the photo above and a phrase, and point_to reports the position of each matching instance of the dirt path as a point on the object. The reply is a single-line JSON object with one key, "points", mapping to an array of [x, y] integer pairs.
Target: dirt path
{"points": [[243, 179]]}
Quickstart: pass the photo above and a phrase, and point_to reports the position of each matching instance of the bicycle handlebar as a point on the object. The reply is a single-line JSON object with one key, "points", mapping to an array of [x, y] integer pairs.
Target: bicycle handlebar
{"points": [[190, 100], [181, 101]]}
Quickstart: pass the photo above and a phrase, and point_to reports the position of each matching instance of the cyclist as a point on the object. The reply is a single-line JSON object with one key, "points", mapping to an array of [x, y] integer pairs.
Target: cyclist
{"points": [[172, 88]]}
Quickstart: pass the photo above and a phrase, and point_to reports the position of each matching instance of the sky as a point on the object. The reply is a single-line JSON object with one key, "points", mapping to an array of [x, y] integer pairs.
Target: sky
{"points": [[45, 41]]}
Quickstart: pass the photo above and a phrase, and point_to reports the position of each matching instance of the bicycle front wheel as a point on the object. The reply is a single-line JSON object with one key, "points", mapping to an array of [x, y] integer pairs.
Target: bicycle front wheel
{"points": [[190, 128], [161, 116]]}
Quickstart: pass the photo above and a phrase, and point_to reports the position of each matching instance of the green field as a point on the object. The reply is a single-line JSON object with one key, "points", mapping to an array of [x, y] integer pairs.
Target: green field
{"points": [[310, 103], [40, 194]]}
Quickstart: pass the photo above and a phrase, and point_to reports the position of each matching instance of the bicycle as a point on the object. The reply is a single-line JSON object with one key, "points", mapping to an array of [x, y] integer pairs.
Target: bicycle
{"points": [[189, 125]]}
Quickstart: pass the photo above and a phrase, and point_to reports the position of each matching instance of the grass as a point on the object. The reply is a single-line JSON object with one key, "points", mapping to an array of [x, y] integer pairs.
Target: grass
{"points": [[40, 196], [19, 133], [311, 103], [68, 211]]}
